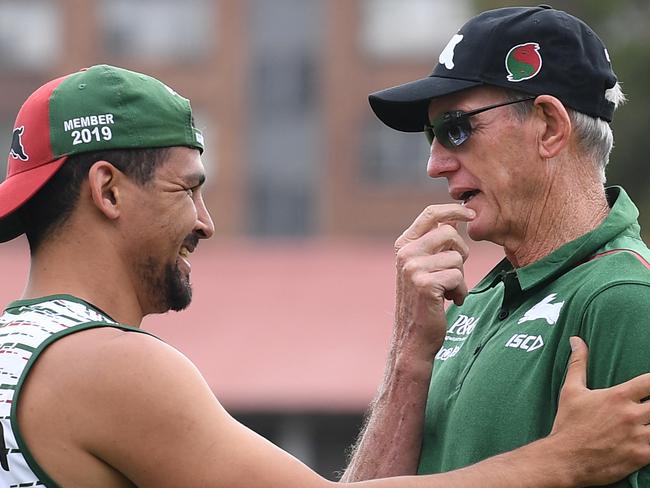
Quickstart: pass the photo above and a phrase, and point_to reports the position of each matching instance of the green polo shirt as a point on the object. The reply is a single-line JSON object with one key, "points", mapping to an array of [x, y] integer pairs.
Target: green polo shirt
{"points": [[496, 380]]}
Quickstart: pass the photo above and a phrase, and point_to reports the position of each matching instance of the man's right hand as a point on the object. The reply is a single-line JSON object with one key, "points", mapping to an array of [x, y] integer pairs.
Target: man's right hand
{"points": [[430, 258]]}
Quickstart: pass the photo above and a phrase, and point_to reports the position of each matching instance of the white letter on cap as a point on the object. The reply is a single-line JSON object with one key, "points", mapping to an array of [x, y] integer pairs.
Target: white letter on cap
{"points": [[447, 54]]}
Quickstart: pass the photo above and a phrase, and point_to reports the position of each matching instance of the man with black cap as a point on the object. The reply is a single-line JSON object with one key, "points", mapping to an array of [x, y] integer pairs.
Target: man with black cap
{"points": [[517, 113], [105, 179]]}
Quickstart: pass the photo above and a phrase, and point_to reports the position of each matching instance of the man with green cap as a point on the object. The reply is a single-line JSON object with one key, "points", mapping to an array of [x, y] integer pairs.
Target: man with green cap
{"points": [[104, 178]]}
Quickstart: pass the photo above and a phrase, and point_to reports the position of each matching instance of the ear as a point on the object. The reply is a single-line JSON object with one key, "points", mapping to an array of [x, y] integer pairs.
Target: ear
{"points": [[103, 180], [555, 126]]}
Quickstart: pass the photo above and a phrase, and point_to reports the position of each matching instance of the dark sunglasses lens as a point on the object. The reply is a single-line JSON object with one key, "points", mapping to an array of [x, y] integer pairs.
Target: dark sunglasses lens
{"points": [[452, 132], [458, 133]]}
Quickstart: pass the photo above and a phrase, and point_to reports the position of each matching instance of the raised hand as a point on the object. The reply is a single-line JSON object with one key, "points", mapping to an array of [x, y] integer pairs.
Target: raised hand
{"points": [[430, 258]]}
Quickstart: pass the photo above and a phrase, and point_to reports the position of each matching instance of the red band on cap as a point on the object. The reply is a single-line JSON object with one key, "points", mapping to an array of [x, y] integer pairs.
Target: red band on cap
{"points": [[32, 130]]}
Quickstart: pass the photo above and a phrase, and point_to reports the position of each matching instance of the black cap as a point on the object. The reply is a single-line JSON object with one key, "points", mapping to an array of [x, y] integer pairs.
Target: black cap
{"points": [[536, 50]]}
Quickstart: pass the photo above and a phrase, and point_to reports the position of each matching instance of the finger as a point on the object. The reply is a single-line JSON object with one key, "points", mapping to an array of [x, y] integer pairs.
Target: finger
{"points": [[645, 414], [576, 375], [429, 263], [458, 294], [637, 388], [432, 216], [456, 224], [430, 274], [443, 238], [435, 285]]}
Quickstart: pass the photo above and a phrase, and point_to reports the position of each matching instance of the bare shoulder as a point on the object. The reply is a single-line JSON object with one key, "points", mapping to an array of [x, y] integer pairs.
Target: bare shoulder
{"points": [[109, 358], [90, 393], [105, 363], [131, 409]]}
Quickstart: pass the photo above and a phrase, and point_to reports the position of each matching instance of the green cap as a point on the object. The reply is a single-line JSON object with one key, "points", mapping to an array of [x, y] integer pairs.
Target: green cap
{"points": [[96, 109], [128, 109]]}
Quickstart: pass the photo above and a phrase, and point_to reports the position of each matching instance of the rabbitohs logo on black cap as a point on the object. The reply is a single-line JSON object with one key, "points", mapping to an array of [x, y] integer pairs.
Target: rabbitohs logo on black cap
{"points": [[17, 150], [523, 61]]}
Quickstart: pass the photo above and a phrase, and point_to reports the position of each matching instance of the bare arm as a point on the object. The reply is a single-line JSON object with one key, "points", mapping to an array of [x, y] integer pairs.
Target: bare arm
{"points": [[430, 257], [599, 436], [130, 409]]}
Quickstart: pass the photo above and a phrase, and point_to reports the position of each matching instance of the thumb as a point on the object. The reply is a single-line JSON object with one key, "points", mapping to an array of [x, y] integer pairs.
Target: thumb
{"points": [[577, 370]]}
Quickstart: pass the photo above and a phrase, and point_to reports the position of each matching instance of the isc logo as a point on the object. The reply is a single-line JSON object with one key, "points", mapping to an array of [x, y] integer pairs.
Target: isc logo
{"points": [[526, 342]]}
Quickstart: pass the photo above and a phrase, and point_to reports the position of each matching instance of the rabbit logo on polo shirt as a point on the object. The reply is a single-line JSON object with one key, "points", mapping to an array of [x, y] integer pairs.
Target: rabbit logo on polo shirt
{"points": [[544, 310]]}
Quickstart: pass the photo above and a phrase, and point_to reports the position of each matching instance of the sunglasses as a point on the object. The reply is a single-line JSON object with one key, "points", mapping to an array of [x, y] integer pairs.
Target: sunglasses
{"points": [[453, 128]]}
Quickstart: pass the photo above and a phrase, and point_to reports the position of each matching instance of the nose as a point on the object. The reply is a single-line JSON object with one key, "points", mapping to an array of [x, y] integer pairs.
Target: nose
{"points": [[204, 227], [441, 161]]}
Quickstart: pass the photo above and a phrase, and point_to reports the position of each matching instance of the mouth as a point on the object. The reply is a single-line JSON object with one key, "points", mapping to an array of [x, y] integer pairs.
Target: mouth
{"points": [[183, 261], [468, 195], [187, 248], [465, 196]]}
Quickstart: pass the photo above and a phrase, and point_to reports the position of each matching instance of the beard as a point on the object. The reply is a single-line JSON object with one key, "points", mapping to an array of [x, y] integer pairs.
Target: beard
{"points": [[166, 287], [178, 289]]}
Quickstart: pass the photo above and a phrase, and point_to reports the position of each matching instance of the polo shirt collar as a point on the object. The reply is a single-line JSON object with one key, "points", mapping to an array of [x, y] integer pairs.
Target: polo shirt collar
{"points": [[622, 216]]}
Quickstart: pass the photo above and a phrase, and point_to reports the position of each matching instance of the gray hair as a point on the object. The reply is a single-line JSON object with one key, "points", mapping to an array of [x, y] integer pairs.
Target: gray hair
{"points": [[594, 135]]}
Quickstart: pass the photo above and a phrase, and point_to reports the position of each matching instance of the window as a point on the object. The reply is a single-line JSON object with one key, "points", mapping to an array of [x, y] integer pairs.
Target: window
{"points": [[389, 157], [284, 84], [160, 30], [281, 210], [284, 154], [30, 37], [409, 29]]}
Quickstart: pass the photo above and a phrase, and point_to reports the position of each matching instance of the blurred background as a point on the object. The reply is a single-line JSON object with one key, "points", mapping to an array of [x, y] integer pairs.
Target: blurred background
{"points": [[293, 304]]}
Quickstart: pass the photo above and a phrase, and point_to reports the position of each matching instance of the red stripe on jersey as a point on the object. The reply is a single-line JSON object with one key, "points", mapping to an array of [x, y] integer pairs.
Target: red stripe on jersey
{"points": [[641, 259]]}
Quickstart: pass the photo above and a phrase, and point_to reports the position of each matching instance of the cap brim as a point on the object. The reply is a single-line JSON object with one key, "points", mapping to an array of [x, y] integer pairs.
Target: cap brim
{"points": [[405, 107], [17, 190]]}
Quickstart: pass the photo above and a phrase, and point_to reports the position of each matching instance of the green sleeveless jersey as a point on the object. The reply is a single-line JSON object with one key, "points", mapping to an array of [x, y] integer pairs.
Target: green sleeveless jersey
{"points": [[497, 378], [27, 327]]}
